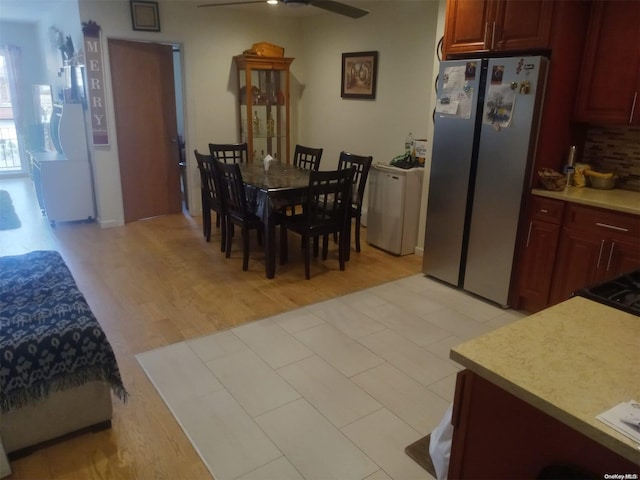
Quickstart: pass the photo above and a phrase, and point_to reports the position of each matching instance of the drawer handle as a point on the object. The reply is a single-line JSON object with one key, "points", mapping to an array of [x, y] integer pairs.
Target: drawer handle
{"points": [[544, 210], [600, 254], [612, 227], [633, 107], [529, 234]]}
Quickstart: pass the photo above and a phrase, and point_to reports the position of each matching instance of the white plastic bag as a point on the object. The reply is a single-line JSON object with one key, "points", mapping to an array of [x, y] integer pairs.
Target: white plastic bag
{"points": [[440, 445]]}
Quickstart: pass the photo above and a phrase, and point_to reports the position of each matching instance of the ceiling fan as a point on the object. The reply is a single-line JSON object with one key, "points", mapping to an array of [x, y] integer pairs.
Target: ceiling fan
{"points": [[330, 5]]}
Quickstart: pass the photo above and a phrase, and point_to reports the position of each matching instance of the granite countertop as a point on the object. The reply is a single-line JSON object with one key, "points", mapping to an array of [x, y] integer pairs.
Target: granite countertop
{"points": [[616, 199], [573, 361]]}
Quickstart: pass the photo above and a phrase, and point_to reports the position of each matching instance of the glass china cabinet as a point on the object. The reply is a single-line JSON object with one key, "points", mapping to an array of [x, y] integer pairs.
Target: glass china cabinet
{"points": [[263, 99]]}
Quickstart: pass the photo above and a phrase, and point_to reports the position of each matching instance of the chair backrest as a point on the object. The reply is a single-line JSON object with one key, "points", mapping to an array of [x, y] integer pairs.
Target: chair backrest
{"points": [[329, 197], [232, 191], [230, 152], [208, 180], [362, 165], [307, 157]]}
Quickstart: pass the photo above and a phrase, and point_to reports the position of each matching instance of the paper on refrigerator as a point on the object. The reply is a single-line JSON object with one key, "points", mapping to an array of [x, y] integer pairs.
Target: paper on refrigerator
{"points": [[457, 95]]}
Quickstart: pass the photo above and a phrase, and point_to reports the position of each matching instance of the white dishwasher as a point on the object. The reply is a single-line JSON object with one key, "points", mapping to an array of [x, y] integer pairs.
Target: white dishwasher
{"points": [[394, 208]]}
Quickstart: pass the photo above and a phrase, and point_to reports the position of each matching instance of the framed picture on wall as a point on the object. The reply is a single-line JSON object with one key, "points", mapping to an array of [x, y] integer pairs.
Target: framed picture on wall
{"points": [[145, 15], [359, 72]]}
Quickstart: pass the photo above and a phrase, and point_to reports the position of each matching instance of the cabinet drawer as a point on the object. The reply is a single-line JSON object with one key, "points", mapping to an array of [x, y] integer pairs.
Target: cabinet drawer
{"points": [[606, 222], [546, 210]]}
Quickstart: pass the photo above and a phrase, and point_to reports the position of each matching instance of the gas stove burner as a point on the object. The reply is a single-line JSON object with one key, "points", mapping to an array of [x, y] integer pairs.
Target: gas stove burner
{"points": [[622, 292]]}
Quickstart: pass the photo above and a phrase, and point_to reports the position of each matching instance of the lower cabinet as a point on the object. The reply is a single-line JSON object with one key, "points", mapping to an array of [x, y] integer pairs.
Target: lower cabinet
{"points": [[568, 247], [538, 254], [498, 435], [595, 245], [63, 187]]}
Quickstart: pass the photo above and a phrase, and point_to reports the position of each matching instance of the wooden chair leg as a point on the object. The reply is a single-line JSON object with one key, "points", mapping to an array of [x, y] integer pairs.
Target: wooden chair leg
{"points": [[325, 247], [228, 239], [206, 218], [223, 233], [315, 247], [284, 252], [358, 233], [307, 259], [245, 249]]}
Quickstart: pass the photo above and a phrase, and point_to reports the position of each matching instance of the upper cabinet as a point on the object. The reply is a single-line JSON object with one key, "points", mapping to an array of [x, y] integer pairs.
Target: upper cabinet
{"points": [[263, 86], [483, 26], [609, 87]]}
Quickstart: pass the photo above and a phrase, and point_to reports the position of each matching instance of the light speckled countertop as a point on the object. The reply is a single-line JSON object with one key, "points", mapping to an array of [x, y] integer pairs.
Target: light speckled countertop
{"points": [[573, 361], [616, 199]]}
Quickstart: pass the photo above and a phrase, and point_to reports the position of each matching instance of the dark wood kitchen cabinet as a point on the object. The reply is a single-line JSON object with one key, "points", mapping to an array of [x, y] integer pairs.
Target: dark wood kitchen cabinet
{"points": [[538, 254], [523, 438], [481, 26], [609, 88], [595, 245]]}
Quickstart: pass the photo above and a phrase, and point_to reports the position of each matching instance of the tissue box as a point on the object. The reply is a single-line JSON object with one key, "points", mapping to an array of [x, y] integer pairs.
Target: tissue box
{"points": [[421, 151]]}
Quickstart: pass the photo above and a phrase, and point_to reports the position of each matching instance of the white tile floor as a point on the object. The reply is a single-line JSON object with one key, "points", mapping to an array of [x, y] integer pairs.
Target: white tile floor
{"points": [[335, 390]]}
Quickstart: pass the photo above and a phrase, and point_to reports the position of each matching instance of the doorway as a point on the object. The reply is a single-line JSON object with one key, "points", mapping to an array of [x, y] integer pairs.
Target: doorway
{"points": [[10, 158], [142, 77]]}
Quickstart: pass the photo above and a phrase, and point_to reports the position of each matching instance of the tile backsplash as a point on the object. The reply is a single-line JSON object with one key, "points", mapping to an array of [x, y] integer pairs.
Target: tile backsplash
{"points": [[615, 149]]}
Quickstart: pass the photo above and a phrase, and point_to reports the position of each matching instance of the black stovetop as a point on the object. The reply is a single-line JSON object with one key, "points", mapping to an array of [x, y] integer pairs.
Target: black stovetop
{"points": [[621, 292]]}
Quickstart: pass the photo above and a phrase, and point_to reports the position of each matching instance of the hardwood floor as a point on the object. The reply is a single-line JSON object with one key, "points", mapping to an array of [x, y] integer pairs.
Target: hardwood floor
{"points": [[157, 282]]}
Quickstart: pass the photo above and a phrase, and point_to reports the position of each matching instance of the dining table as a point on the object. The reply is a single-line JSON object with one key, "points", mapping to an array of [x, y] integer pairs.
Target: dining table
{"points": [[269, 191]]}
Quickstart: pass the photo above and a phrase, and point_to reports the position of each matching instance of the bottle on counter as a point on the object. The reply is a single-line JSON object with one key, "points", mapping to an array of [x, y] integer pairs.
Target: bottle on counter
{"points": [[409, 144]]}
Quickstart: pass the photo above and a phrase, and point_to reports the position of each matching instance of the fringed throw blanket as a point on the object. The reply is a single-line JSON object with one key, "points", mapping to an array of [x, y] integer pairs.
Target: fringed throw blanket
{"points": [[49, 338]]}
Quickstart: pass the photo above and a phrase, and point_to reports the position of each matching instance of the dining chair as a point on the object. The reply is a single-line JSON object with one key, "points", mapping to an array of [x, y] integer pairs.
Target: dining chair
{"points": [[236, 211], [210, 197], [326, 211], [362, 165], [230, 152], [307, 158]]}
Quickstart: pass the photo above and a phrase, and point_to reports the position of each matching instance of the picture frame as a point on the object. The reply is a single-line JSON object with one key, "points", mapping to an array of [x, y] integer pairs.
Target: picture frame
{"points": [[359, 75], [145, 15]]}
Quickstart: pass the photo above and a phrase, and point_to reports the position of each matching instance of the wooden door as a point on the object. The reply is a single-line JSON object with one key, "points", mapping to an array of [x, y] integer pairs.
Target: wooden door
{"points": [[580, 255], [523, 24], [610, 84], [468, 25], [536, 265], [145, 113]]}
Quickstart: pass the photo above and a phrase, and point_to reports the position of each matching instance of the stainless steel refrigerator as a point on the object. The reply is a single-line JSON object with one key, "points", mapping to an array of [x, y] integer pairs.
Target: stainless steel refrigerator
{"points": [[485, 134]]}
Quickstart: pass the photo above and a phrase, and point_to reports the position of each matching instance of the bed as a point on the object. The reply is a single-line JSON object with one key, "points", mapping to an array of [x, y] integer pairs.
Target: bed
{"points": [[57, 368]]}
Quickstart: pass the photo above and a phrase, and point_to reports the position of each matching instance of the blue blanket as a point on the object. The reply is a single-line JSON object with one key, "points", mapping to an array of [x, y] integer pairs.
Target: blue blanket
{"points": [[49, 338]]}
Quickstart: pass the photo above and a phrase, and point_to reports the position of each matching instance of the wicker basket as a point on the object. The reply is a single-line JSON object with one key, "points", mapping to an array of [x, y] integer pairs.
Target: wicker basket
{"points": [[552, 180]]}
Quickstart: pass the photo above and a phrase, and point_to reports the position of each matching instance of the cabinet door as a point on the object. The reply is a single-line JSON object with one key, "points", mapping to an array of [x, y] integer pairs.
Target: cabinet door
{"points": [[623, 257], [579, 258], [522, 25], [609, 88], [467, 26], [536, 267]]}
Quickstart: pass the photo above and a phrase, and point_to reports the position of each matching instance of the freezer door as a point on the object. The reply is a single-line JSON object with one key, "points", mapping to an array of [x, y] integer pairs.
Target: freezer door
{"points": [[450, 168], [514, 91]]}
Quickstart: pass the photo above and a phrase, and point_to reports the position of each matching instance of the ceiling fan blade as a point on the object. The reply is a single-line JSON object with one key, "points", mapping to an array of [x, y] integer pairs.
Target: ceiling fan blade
{"points": [[340, 8], [230, 3]]}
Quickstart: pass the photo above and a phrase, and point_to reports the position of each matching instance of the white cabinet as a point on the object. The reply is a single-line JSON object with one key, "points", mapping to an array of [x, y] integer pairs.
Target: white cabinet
{"points": [[63, 181], [394, 208]]}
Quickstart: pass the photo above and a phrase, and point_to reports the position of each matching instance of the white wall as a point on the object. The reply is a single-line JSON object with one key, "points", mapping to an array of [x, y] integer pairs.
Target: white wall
{"points": [[404, 32]]}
